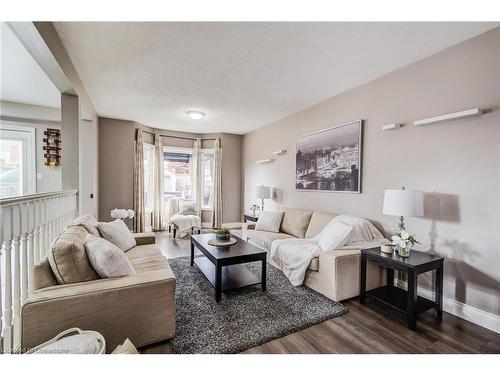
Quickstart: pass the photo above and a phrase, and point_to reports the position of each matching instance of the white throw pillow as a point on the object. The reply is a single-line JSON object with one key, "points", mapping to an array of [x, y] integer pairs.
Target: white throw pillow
{"points": [[117, 233], [187, 208], [334, 236], [269, 221], [77, 344], [363, 229], [107, 259]]}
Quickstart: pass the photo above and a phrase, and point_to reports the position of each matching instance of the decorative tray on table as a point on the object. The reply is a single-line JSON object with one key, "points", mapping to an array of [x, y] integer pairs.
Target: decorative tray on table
{"points": [[215, 242]]}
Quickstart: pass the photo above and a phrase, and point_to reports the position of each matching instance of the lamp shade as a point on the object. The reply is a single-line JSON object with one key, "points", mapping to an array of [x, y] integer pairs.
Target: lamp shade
{"points": [[263, 192], [403, 203]]}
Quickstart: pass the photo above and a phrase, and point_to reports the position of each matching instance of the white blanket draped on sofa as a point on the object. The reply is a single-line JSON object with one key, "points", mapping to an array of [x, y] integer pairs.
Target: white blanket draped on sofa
{"points": [[293, 255]]}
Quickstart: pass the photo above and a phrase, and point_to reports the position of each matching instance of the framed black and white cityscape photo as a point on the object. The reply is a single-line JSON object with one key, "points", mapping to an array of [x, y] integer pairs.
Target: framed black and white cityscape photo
{"points": [[330, 159]]}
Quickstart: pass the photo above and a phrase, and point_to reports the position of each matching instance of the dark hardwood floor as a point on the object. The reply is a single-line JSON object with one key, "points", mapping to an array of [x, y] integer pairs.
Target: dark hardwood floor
{"points": [[370, 328]]}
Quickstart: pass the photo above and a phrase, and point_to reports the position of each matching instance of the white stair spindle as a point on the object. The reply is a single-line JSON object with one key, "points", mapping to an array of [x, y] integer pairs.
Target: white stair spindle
{"points": [[30, 256], [30, 253], [24, 208], [50, 224], [16, 296], [60, 216], [7, 307], [55, 231], [23, 255], [68, 209], [36, 233], [42, 229], [65, 212], [45, 229]]}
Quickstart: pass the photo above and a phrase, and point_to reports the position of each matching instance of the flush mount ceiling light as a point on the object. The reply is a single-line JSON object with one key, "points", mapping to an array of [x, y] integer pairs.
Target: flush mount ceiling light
{"points": [[195, 115]]}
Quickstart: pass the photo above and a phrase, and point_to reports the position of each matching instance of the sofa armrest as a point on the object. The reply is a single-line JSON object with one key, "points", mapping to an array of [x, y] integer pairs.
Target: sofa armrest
{"points": [[144, 238], [139, 307], [339, 272]]}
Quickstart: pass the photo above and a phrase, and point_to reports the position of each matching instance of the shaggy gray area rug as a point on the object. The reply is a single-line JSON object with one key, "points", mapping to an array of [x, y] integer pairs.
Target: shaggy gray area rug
{"points": [[245, 317]]}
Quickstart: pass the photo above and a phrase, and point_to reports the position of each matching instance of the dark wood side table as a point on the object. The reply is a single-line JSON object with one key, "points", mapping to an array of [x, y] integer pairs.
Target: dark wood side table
{"points": [[405, 301], [250, 218]]}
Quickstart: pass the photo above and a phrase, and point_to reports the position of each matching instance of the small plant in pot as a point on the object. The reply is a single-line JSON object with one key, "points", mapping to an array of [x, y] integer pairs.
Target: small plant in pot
{"points": [[223, 234]]}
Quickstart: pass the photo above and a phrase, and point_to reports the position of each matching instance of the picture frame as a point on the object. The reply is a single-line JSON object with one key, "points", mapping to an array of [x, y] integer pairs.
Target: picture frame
{"points": [[330, 160]]}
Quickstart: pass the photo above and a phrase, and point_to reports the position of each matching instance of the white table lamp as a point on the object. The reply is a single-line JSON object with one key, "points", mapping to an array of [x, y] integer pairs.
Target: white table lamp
{"points": [[403, 203], [263, 192]]}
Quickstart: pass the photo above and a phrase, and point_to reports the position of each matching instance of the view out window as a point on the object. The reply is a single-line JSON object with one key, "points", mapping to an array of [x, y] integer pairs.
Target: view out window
{"points": [[149, 153], [177, 173], [17, 166], [208, 179]]}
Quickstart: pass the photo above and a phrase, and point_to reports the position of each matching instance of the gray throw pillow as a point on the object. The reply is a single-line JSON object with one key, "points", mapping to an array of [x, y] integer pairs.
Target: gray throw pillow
{"points": [[117, 233], [107, 259]]}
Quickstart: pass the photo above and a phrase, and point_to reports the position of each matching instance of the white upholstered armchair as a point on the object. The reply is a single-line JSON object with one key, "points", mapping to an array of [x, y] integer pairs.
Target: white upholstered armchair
{"points": [[182, 216]]}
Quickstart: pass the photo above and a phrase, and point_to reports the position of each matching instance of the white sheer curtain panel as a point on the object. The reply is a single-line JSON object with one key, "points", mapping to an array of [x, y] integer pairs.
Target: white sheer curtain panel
{"points": [[139, 218]]}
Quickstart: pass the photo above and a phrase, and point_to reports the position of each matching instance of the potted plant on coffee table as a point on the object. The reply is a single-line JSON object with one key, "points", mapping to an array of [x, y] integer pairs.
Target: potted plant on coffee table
{"points": [[223, 234]]}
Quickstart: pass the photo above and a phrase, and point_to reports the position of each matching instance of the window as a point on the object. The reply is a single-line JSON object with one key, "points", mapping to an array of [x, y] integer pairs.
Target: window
{"points": [[177, 173], [149, 159], [208, 179], [17, 163]]}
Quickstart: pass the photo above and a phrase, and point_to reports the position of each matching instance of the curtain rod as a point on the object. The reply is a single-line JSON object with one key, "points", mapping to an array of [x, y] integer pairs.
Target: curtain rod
{"points": [[176, 136]]}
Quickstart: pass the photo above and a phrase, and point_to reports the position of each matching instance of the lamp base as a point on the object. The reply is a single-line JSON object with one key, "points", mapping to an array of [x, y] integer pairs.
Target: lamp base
{"points": [[402, 225]]}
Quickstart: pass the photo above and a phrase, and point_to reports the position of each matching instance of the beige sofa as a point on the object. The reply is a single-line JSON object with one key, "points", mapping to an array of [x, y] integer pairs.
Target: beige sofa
{"points": [[140, 307], [336, 273]]}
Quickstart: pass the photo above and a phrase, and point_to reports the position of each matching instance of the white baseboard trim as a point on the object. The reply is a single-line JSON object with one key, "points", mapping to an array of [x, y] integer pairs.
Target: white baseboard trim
{"points": [[462, 310]]}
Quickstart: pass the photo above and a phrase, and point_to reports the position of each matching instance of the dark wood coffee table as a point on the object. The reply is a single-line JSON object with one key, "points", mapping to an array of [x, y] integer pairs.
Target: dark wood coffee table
{"points": [[223, 266]]}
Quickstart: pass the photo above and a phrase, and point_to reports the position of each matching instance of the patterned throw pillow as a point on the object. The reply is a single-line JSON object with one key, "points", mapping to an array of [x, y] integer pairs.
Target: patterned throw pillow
{"points": [[269, 221], [68, 259]]}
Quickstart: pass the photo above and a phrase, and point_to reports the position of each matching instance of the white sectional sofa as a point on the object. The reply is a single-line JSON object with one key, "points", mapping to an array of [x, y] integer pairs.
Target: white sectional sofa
{"points": [[335, 273]]}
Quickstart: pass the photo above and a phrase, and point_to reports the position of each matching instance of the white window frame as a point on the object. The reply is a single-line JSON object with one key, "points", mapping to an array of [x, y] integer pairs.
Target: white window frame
{"points": [[180, 150], [28, 136], [205, 151]]}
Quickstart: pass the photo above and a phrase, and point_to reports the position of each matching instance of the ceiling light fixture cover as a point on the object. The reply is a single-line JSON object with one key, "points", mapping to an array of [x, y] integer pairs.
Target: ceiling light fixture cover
{"points": [[195, 115]]}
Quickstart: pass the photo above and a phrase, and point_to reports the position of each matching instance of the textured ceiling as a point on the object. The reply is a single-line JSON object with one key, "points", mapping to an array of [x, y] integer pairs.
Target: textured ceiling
{"points": [[242, 75], [22, 79]]}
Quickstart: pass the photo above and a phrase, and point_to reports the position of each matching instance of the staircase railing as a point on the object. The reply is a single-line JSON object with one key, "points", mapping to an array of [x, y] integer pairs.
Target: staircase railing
{"points": [[28, 225]]}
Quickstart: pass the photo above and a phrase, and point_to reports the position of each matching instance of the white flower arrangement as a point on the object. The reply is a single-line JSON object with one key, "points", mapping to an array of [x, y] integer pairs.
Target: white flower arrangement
{"points": [[404, 239], [122, 213]]}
